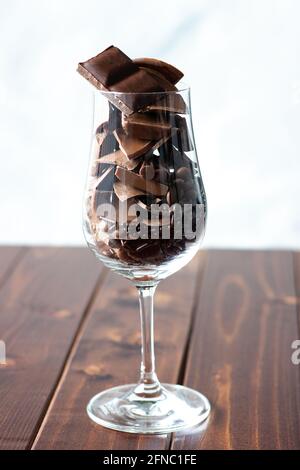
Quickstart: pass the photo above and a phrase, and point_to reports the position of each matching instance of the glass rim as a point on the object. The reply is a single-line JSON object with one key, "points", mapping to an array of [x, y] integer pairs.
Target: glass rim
{"points": [[182, 87]]}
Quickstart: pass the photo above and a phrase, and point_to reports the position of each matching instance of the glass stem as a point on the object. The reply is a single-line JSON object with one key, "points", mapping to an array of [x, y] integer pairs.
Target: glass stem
{"points": [[149, 386]]}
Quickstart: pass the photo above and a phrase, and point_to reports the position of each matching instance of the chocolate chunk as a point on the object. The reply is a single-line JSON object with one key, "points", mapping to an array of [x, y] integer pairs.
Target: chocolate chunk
{"points": [[110, 66], [170, 103], [173, 195], [171, 73], [185, 142], [107, 142], [112, 70], [114, 118], [108, 145], [190, 197], [184, 173], [146, 250], [162, 175], [147, 170], [167, 86], [132, 179], [105, 181], [135, 88], [114, 241], [146, 126], [124, 256], [125, 192], [132, 146], [119, 158]]}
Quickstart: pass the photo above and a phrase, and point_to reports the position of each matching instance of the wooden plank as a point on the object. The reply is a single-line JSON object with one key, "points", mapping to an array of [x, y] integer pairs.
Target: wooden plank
{"points": [[296, 260], [9, 257], [240, 355], [109, 355], [41, 308]]}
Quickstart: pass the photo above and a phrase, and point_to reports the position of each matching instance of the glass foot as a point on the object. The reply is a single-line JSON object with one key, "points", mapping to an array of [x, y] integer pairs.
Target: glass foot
{"points": [[176, 408]]}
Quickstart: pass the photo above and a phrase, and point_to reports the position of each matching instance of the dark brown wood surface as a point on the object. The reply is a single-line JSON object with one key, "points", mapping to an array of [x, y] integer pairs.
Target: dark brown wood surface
{"points": [[243, 334], [224, 325], [42, 306]]}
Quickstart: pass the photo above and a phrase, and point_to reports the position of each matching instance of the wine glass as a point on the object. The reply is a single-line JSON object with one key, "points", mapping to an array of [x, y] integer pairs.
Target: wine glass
{"points": [[144, 218]]}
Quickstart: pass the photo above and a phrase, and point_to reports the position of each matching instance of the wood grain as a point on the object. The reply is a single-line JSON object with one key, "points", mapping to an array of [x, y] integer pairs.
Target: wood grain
{"points": [[240, 353], [9, 258], [109, 354], [41, 307], [296, 260]]}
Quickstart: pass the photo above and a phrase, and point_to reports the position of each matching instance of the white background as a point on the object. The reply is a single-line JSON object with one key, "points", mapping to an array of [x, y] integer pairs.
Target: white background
{"points": [[241, 59]]}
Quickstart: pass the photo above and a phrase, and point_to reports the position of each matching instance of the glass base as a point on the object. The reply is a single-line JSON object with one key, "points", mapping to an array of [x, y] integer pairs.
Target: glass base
{"points": [[176, 408]]}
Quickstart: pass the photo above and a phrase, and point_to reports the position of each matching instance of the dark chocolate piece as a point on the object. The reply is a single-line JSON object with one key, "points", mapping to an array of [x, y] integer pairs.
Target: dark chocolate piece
{"points": [[133, 90], [185, 142], [110, 66], [132, 179], [147, 170], [162, 175], [112, 70], [125, 192], [184, 173], [120, 159], [105, 181], [171, 73], [170, 103], [133, 147], [115, 118], [146, 126], [107, 142], [108, 145], [167, 86]]}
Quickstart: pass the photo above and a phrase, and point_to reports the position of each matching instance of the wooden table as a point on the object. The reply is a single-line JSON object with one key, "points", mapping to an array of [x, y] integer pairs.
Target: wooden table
{"points": [[224, 325]]}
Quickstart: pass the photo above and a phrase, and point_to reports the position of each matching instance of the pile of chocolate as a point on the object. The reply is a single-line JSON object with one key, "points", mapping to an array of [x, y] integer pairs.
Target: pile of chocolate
{"points": [[140, 156]]}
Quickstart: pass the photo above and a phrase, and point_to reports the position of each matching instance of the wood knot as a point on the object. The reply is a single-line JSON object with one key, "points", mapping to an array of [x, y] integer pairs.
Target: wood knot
{"points": [[93, 369], [63, 313], [9, 362]]}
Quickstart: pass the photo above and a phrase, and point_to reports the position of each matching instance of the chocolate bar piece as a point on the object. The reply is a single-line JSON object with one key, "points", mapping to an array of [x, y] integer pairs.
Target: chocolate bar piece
{"points": [[112, 70], [115, 118], [171, 103], [107, 141], [110, 66], [109, 144], [133, 147], [125, 192], [105, 181], [146, 126], [167, 86], [171, 73], [147, 170], [185, 142], [119, 158], [137, 181], [137, 90]]}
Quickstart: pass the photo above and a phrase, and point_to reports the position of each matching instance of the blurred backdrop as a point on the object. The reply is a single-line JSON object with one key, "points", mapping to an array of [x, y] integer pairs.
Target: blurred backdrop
{"points": [[241, 58]]}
